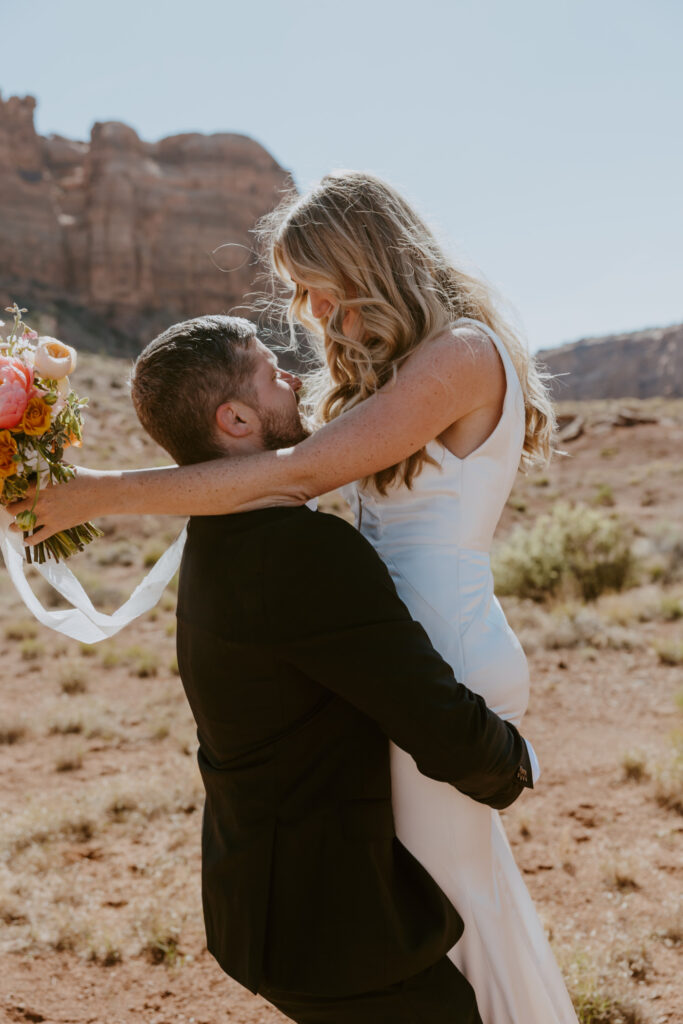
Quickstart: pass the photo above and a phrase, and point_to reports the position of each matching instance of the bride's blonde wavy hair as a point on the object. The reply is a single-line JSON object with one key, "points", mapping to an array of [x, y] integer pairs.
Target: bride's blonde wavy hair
{"points": [[353, 236]]}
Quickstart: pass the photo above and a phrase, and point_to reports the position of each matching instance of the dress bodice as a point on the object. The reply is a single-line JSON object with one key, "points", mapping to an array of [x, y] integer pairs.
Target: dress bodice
{"points": [[458, 502]]}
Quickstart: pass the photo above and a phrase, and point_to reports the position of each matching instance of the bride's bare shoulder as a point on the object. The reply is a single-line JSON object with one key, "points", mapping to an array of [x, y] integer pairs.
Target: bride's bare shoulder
{"points": [[460, 354]]}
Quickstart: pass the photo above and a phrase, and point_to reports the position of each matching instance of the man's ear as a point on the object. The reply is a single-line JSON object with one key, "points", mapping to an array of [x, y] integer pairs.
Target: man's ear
{"points": [[234, 419]]}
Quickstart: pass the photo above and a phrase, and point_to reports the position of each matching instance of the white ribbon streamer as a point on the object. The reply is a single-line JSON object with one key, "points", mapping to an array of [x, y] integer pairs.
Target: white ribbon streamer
{"points": [[82, 621]]}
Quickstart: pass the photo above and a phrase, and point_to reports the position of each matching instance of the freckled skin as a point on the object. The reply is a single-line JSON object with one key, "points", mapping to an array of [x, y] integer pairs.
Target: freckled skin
{"points": [[451, 388]]}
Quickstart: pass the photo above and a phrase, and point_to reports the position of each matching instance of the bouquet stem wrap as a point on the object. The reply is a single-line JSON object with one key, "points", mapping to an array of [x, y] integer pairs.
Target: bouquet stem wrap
{"points": [[82, 621]]}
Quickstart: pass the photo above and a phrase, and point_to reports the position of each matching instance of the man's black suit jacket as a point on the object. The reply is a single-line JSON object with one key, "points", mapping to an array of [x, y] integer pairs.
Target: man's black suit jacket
{"points": [[299, 659]]}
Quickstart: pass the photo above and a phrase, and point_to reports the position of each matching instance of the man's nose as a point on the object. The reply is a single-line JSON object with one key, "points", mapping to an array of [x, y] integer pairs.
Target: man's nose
{"points": [[293, 381]]}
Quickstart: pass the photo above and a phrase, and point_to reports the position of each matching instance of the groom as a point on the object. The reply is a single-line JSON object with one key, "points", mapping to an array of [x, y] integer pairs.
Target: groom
{"points": [[299, 660]]}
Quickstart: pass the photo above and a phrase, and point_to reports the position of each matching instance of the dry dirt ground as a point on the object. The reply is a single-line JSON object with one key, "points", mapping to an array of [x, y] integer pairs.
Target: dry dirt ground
{"points": [[100, 798]]}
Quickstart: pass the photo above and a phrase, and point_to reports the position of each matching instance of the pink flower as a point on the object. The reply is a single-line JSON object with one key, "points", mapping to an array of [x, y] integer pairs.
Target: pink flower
{"points": [[16, 388]]}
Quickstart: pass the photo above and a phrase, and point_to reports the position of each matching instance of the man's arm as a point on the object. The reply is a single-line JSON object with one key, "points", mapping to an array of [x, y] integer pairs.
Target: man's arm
{"points": [[337, 618]]}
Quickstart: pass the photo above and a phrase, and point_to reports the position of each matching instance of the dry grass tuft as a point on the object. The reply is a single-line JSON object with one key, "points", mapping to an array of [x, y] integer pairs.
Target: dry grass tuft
{"points": [[596, 999], [82, 715], [669, 652], [11, 733], [671, 931], [72, 679], [69, 761], [620, 877], [39, 824], [32, 650], [634, 767], [98, 806], [604, 496], [161, 938], [152, 552], [21, 629], [671, 608], [668, 775]]}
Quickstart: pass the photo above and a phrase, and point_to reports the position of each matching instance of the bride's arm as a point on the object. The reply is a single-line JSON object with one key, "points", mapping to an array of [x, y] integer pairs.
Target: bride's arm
{"points": [[438, 385]]}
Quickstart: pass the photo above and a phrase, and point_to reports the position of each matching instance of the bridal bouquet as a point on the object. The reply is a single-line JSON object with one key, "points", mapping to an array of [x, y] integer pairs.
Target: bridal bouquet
{"points": [[40, 416]]}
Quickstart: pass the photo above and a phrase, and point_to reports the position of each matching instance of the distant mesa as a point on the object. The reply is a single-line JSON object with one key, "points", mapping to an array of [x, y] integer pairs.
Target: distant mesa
{"points": [[111, 239], [641, 364]]}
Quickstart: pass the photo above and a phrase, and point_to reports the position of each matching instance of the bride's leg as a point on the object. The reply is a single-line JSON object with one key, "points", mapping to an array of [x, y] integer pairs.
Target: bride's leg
{"points": [[503, 952]]}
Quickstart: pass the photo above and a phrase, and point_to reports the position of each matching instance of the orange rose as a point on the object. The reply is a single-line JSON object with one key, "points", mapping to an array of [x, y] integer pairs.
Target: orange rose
{"points": [[8, 448], [36, 418]]}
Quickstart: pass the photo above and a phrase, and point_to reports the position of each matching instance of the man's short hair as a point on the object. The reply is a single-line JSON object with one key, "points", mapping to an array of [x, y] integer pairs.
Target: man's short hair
{"points": [[179, 380]]}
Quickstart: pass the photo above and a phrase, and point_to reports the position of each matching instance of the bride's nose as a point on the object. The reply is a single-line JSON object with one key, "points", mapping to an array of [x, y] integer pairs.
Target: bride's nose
{"points": [[292, 379], [320, 307]]}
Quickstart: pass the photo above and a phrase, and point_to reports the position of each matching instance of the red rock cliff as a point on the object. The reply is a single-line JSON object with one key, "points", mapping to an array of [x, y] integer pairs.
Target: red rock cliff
{"points": [[124, 228]]}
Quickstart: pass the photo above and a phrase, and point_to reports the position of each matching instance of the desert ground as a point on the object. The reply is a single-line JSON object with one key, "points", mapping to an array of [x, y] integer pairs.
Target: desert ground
{"points": [[100, 797]]}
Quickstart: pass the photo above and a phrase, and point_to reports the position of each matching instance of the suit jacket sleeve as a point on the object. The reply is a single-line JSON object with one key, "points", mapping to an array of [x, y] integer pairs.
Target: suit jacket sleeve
{"points": [[336, 617]]}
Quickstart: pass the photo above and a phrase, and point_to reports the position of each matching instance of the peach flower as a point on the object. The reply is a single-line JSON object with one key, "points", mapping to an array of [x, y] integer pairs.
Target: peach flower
{"points": [[16, 388], [54, 359]]}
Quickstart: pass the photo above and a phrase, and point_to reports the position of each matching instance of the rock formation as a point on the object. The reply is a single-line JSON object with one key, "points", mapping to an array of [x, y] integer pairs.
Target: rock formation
{"points": [[116, 234], [641, 364]]}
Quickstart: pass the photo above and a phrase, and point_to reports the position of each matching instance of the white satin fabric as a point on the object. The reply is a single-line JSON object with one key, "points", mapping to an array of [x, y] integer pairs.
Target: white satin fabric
{"points": [[82, 621], [435, 540]]}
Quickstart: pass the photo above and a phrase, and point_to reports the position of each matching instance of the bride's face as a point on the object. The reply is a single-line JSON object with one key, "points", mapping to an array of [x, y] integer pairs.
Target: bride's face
{"points": [[323, 304]]}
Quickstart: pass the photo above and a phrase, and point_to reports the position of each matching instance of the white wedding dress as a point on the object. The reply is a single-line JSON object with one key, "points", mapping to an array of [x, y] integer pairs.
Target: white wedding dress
{"points": [[435, 540]]}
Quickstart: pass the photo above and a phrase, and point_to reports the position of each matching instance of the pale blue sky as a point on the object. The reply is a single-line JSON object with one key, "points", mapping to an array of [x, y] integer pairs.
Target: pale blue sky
{"points": [[542, 138]]}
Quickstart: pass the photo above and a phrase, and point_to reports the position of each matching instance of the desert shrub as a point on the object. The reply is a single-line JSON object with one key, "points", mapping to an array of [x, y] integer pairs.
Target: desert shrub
{"points": [[669, 652], [571, 548], [671, 608]]}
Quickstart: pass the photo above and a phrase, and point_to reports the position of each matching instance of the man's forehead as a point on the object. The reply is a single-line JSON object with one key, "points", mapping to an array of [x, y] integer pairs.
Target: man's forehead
{"points": [[263, 352]]}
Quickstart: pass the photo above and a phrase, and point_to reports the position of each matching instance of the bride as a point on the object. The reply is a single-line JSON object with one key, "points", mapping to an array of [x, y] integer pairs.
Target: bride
{"points": [[429, 404]]}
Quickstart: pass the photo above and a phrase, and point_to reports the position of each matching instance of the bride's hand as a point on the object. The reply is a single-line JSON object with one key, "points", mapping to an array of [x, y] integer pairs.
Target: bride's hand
{"points": [[61, 506]]}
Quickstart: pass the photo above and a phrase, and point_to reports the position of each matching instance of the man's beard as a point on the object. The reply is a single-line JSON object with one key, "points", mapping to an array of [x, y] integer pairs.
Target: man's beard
{"points": [[281, 430]]}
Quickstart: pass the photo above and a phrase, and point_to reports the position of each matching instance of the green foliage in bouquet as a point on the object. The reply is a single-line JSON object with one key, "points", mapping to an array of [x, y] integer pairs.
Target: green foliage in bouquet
{"points": [[40, 417]]}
